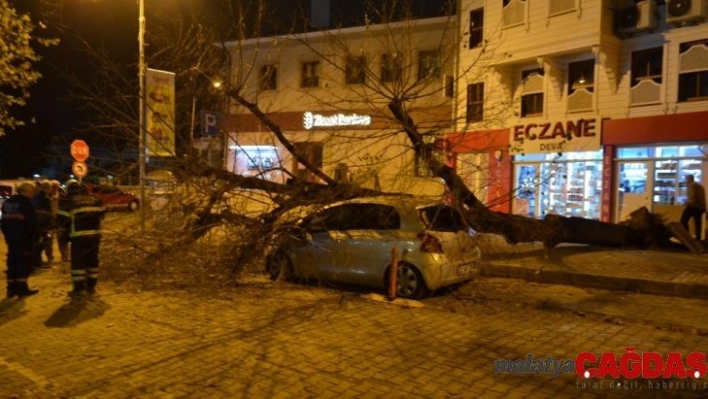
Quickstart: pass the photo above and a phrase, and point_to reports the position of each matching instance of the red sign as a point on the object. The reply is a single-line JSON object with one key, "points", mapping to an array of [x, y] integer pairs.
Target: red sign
{"points": [[80, 169], [79, 150]]}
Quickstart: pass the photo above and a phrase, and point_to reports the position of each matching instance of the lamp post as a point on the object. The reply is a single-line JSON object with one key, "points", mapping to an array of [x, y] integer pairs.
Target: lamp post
{"points": [[141, 127]]}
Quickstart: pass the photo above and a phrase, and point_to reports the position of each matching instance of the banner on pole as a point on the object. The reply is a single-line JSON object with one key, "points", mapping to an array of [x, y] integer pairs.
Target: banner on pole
{"points": [[160, 113]]}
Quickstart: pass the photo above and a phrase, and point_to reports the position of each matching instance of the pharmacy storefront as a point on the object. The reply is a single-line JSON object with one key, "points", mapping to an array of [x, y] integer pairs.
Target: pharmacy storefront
{"points": [[558, 168], [651, 158]]}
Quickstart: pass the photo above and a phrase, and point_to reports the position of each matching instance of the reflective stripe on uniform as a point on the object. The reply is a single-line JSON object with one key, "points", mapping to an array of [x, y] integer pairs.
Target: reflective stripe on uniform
{"points": [[78, 275], [85, 233], [87, 209], [93, 272]]}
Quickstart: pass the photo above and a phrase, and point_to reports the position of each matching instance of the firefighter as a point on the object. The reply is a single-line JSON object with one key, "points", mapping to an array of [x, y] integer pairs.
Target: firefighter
{"points": [[19, 226], [81, 213]]}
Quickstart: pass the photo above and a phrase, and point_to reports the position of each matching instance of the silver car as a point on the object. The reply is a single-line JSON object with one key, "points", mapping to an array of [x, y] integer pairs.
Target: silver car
{"points": [[352, 242]]}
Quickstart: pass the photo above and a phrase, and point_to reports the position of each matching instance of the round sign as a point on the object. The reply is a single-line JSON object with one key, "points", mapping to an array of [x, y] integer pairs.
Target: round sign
{"points": [[79, 150], [80, 169]]}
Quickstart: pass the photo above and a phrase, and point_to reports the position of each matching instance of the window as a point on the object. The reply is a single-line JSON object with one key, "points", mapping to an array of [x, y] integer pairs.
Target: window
{"points": [[560, 6], [442, 218], [475, 102], [476, 27], [513, 12], [532, 92], [647, 64], [581, 75], [391, 67], [449, 86], [355, 70], [268, 77], [693, 71], [428, 64], [310, 74]]}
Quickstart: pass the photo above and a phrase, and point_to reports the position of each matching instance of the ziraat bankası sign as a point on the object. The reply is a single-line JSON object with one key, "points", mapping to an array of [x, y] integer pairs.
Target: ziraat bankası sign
{"points": [[583, 134]]}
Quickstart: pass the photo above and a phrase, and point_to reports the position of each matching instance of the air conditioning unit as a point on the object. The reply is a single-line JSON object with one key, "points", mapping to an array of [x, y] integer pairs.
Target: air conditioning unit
{"points": [[637, 17], [680, 11]]}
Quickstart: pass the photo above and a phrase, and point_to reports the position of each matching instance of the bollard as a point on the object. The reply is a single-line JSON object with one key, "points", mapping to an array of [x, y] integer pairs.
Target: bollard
{"points": [[392, 281]]}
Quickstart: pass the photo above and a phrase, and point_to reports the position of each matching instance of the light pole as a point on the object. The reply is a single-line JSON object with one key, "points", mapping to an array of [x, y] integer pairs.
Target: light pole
{"points": [[141, 127]]}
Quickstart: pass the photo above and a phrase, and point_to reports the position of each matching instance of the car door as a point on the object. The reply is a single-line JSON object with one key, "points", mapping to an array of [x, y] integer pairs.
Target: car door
{"points": [[320, 253]]}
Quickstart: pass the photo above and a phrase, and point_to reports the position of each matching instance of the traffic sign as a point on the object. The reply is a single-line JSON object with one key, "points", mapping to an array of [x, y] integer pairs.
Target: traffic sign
{"points": [[79, 150], [79, 168]]}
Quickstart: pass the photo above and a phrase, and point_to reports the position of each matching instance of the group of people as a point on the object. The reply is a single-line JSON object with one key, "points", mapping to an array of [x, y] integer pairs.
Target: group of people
{"points": [[38, 212]]}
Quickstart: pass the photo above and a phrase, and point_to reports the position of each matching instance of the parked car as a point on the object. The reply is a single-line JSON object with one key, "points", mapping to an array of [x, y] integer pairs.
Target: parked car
{"points": [[352, 242], [115, 198]]}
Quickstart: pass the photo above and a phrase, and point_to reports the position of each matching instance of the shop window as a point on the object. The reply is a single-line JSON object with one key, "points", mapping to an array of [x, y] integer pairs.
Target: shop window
{"points": [[428, 64], [693, 71], [513, 12], [475, 102], [268, 77], [391, 67], [310, 74], [532, 92], [476, 27], [355, 70]]}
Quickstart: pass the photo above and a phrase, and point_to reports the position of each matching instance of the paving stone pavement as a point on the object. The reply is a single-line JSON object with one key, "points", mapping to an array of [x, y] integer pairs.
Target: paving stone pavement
{"points": [[280, 340], [660, 272]]}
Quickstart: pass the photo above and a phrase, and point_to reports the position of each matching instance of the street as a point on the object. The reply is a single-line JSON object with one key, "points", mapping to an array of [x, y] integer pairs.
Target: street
{"points": [[282, 340]]}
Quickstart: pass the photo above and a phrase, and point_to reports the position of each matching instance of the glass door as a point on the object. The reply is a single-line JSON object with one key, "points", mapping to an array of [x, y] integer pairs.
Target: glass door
{"points": [[634, 188], [526, 199]]}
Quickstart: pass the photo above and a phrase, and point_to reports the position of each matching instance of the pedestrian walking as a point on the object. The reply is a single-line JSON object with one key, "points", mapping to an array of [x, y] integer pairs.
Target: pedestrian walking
{"points": [[81, 213], [695, 205], [45, 225], [19, 226]]}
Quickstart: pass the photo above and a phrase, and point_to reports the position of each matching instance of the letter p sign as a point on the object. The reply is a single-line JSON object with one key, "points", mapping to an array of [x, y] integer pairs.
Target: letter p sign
{"points": [[210, 123]]}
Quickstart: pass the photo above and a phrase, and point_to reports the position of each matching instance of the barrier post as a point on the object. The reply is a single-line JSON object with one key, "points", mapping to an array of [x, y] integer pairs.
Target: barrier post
{"points": [[392, 281]]}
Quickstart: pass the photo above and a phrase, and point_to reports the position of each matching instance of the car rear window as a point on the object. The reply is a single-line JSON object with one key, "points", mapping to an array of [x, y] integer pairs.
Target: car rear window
{"points": [[442, 218]]}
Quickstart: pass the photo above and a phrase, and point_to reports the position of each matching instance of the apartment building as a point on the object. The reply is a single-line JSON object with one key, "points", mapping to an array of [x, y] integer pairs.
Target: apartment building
{"points": [[327, 92], [589, 108]]}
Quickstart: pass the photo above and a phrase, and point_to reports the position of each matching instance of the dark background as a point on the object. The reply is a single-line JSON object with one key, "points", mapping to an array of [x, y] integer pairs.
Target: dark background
{"points": [[113, 24]]}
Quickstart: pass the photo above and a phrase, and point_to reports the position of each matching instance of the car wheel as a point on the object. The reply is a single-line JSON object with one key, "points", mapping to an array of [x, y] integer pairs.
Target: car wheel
{"points": [[133, 206], [279, 267], [409, 282]]}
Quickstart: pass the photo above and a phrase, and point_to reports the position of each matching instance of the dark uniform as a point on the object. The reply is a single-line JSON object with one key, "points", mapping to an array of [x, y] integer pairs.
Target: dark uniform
{"points": [[81, 214], [19, 226]]}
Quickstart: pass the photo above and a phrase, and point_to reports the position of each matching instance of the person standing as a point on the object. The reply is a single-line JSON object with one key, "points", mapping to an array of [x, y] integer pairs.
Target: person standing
{"points": [[42, 202], [695, 205], [19, 226], [81, 213]]}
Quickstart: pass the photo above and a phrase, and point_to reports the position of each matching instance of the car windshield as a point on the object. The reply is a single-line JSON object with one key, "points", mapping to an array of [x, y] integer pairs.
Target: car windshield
{"points": [[442, 218]]}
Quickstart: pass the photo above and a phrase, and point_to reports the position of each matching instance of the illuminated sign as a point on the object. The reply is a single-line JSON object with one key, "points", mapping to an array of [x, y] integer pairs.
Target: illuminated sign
{"points": [[560, 136], [310, 120]]}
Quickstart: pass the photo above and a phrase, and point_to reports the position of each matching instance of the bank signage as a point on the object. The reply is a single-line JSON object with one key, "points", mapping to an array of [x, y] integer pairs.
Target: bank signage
{"points": [[582, 134], [311, 120]]}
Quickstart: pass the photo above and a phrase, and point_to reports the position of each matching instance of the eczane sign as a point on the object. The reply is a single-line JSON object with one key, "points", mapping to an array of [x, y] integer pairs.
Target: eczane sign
{"points": [[557, 136]]}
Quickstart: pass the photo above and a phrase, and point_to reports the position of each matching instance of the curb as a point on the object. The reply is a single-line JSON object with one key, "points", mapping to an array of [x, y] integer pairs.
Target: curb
{"points": [[643, 286]]}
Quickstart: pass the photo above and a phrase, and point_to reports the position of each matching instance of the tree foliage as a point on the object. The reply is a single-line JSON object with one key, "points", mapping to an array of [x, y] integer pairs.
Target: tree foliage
{"points": [[17, 63]]}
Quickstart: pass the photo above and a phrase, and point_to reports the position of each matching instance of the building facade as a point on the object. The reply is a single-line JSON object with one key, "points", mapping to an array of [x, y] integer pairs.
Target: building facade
{"points": [[589, 108], [327, 93]]}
